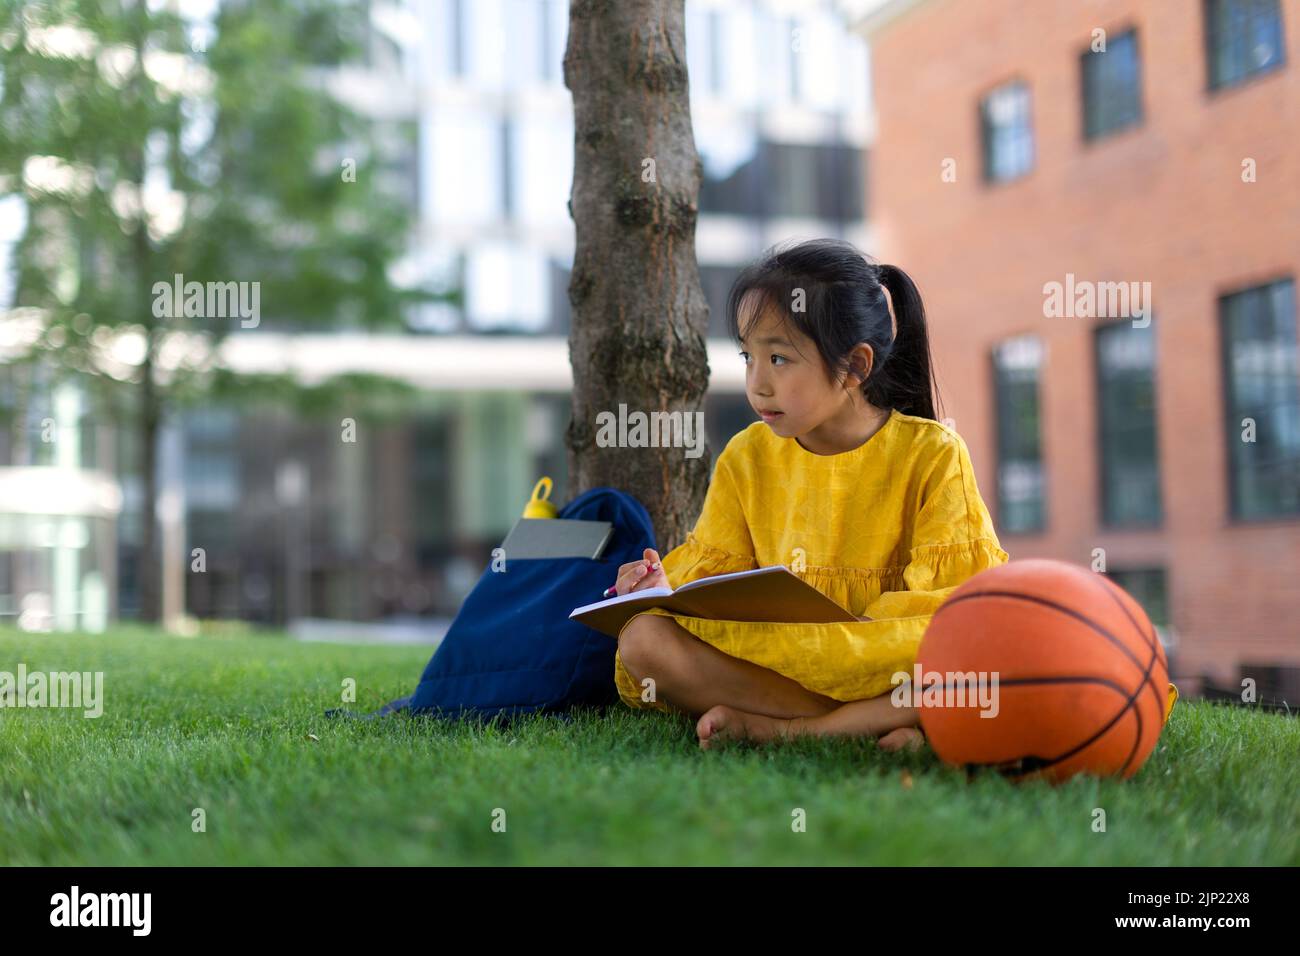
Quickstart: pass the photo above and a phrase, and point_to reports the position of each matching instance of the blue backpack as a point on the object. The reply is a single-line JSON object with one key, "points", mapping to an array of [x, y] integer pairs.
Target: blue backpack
{"points": [[512, 648]]}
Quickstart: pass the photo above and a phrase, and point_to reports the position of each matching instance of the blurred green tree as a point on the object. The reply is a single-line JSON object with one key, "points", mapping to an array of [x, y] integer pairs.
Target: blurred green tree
{"points": [[146, 146]]}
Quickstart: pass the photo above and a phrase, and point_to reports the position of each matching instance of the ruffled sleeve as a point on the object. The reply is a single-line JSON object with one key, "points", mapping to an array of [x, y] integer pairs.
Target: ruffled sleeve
{"points": [[952, 540], [933, 573], [721, 542]]}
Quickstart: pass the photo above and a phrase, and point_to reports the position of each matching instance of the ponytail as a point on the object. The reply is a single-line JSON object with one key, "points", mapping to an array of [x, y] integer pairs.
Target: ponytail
{"points": [[904, 379]]}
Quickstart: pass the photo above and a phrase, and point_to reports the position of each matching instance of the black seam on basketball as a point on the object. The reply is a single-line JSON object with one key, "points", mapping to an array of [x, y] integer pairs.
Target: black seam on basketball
{"points": [[1109, 587], [1045, 602], [1146, 677], [1128, 704], [1152, 642], [1045, 762], [1131, 696], [1051, 761], [1064, 679], [1137, 740]]}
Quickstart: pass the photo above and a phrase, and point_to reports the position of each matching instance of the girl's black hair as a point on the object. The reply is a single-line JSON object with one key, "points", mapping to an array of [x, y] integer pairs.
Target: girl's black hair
{"points": [[835, 296]]}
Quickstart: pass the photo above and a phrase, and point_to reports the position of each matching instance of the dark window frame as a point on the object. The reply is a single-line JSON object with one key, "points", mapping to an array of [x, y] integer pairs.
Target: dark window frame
{"points": [[506, 172], [713, 16], [459, 47], [828, 176], [986, 127], [544, 35], [1164, 623], [1106, 516], [1214, 82], [1043, 523], [1138, 118], [1231, 415]]}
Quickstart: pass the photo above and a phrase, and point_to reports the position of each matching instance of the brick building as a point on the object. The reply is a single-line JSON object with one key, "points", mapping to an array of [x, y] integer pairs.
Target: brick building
{"points": [[1034, 155]]}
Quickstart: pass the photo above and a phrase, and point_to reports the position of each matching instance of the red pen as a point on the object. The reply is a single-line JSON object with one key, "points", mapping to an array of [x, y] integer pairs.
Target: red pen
{"points": [[613, 589]]}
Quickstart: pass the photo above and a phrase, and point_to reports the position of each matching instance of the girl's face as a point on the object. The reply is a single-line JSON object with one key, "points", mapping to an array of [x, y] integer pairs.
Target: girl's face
{"points": [[785, 374]]}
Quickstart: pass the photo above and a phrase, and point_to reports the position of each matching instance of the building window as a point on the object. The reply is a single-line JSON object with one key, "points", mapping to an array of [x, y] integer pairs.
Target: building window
{"points": [[397, 151], [1148, 587], [754, 178], [1112, 86], [1262, 400], [431, 475], [715, 51], [485, 26], [539, 191], [211, 437], [819, 44], [506, 287], [791, 24], [699, 50], [462, 168], [456, 20], [716, 281], [1017, 366], [725, 416], [791, 171], [561, 319], [554, 36], [775, 43], [739, 53], [441, 270], [821, 181], [507, 193], [1007, 132], [1242, 38], [1126, 399], [729, 153], [546, 29]]}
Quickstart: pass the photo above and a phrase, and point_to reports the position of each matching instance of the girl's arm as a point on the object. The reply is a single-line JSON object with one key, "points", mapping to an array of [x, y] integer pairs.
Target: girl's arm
{"points": [[720, 541]]}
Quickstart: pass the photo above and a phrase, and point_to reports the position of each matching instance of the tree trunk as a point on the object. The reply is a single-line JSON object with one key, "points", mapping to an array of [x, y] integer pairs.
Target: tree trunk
{"points": [[149, 574], [639, 314]]}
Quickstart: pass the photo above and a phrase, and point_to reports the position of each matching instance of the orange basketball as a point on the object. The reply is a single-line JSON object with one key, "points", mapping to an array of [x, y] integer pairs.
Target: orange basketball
{"points": [[1074, 677]]}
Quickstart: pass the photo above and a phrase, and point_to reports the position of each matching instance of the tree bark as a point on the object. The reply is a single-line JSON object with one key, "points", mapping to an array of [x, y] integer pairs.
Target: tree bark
{"points": [[639, 314], [149, 575]]}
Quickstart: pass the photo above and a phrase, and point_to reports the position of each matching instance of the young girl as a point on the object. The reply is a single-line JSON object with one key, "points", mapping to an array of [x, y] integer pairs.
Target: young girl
{"points": [[850, 481]]}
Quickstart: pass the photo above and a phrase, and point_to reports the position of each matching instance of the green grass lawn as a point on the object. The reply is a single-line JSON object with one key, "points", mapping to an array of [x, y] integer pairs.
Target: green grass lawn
{"points": [[222, 724]]}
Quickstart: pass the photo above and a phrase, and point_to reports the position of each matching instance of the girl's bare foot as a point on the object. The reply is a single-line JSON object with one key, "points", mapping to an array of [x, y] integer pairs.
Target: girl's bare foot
{"points": [[903, 738], [722, 724]]}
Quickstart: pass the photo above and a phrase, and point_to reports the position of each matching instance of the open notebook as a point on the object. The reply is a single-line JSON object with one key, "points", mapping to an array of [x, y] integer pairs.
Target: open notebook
{"points": [[773, 593]]}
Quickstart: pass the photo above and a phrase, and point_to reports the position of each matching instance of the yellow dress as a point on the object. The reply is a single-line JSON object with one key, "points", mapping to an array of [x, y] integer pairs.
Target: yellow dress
{"points": [[888, 530]]}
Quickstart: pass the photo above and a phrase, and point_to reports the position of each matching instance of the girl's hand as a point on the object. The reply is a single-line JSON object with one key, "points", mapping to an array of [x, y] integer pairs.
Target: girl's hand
{"points": [[639, 575]]}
